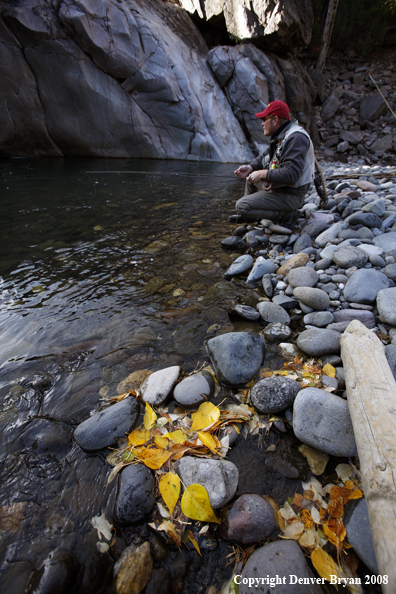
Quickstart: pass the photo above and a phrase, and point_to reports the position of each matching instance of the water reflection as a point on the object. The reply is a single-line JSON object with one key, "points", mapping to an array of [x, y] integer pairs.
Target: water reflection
{"points": [[101, 274]]}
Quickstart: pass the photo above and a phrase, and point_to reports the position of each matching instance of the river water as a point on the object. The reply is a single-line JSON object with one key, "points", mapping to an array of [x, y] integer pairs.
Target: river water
{"points": [[107, 266]]}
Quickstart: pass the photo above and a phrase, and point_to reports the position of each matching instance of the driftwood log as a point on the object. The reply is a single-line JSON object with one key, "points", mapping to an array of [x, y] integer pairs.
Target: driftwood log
{"points": [[371, 390]]}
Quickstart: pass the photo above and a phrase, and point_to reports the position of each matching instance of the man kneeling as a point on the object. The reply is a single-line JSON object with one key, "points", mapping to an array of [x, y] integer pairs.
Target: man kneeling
{"points": [[277, 181]]}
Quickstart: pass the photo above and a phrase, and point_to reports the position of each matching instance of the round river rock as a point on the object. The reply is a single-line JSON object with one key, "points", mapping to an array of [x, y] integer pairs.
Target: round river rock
{"points": [[273, 394], [250, 519], [136, 494]]}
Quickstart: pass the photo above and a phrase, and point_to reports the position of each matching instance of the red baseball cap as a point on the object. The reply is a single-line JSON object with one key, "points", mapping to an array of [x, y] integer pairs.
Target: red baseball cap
{"points": [[275, 108]]}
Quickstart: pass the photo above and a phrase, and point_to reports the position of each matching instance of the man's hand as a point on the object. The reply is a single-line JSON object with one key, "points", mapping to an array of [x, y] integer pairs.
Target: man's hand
{"points": [[257, 176], [243, 171]]}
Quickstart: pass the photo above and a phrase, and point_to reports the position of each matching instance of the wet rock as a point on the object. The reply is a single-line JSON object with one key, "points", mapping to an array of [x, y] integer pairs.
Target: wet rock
{"points": [[285, 302], [348, 256], [357, 525], [194, 389], [133, 569], [58, 573], [261, 266], [303, 277], [239, 266], [236, 356], [276, 332], [322, 420], [104, 427], [219, 477], [255, 238], [245, 312], [319, 319], [317, 460], [136, 494], [157, 386], [282, 558], [319, 341], [314, 298], [270, 312], [386, 305], [364, 285], [234, 243], [273, 394], [160, 582], [294, 262], [250, 519], [42, 436]]}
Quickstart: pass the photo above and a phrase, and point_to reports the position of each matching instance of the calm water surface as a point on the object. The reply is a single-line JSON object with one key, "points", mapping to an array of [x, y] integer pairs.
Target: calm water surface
{"points": [[107, 266]]}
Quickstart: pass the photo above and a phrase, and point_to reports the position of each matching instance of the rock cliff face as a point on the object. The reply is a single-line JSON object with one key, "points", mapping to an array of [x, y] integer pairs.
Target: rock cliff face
{"points": [[133, 78], [112, 78], [285, 24]]}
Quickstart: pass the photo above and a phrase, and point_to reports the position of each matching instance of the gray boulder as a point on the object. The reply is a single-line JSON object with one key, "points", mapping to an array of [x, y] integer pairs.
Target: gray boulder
{"points": [[105, 427], [386, 305], [271, 312], [322, 420], [194, 389], [273, 394], [283, 558], [386, 241], [319, 341], [358, 530], [348, 256], [314, 298], [236, 356], [364, 284], [219, 477], [136, 494], [157, 386], [344, 316], [303, 276]]}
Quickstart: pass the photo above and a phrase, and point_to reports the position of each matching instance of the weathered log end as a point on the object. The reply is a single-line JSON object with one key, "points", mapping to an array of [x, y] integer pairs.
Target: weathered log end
{"points": [[371, 391]]}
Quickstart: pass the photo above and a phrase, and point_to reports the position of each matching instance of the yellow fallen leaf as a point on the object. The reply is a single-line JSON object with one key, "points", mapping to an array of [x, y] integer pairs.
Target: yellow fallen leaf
{"points": [[150, 417], [169, 487], [194, 542], [153, 457], [355, 494], [139, 436], [161, 441], [323, 563], [169, 530], [206, 415], [281, 372], [177, 436], [333, 538], [195, 504], [306, 519], [329, 370], [280, 521], [208, 440]]}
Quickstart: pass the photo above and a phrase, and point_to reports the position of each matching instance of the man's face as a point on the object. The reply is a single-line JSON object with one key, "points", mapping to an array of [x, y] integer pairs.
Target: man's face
{"points": [[270, 124]]}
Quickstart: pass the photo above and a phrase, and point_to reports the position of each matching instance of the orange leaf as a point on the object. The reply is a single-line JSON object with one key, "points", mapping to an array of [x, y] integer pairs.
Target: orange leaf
{"points": [[297, 499], [178, 450], [309, 494], [154, 457], [306, 518], [335, 507], [336, 492], [356, 494]]}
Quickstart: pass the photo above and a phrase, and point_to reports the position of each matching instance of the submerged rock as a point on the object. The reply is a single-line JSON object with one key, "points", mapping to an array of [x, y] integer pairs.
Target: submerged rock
{"points": [[239, 266], [133, 569], [105, 427]]}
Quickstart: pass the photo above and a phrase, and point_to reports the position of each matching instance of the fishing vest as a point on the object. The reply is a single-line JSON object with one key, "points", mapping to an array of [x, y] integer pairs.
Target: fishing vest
{"points": [[308, 172]]}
